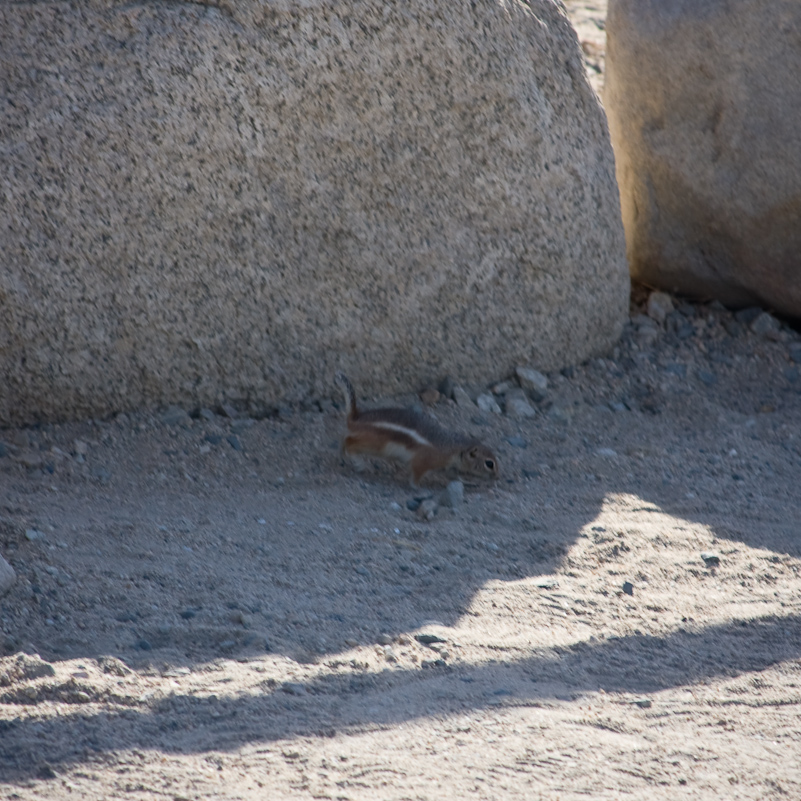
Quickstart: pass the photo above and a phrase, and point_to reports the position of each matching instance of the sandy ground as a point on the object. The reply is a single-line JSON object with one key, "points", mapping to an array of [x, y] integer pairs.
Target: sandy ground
{"points": [[208, 607]]}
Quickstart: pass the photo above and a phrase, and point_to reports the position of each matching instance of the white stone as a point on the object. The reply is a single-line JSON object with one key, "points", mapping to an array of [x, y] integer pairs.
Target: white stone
{"points": [[517, 406], [487, 403], [766, 325], [462, 399], [533, 381], [453, 496], [660, 305]]}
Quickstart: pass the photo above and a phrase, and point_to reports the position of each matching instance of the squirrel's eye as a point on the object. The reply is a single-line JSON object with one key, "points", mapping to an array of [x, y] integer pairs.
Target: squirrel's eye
{"points": [[489, 464]]}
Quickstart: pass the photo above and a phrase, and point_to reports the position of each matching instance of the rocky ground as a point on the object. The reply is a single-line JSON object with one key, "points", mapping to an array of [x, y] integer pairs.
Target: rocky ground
{"points": [[212, 606]]}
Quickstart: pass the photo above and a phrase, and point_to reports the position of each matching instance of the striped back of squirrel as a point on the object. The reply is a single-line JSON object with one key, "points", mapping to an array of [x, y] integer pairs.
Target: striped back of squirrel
{"points": [[408, 436], [403, 424]]}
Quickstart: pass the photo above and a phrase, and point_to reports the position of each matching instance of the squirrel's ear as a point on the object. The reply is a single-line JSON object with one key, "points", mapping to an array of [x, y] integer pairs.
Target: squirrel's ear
{"points": [[473, 452]]}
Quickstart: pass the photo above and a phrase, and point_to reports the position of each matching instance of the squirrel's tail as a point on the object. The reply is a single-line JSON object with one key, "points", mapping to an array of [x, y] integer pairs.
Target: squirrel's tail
{"points": [[350, 396]]}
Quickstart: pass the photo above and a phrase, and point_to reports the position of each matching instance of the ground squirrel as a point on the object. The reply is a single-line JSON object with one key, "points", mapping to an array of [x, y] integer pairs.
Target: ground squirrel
{"points": [[407, 436]]}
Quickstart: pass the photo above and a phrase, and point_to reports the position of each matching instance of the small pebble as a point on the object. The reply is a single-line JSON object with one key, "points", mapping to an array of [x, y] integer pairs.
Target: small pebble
{"points": [[446, 387], [640, 321], [533, 382], [502, 387], [293, 688], [233, 441], [766, 325], [228, 411], [384, 639], [34, 534], [453, 496], [427, 509], [174, 416], [208, 415], [430, 396], [608, 453], [487, 403], [647, 336], [559, 414], [707, 377], [239, 618], [518, 407], [463, 400], [428, 639], [710, 559], [660, 304], [628, 588], [114, 666], [517, 442]]}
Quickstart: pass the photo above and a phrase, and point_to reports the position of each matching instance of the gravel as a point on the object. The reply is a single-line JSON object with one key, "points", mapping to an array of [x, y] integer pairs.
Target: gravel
{"points": [[157, 594]]}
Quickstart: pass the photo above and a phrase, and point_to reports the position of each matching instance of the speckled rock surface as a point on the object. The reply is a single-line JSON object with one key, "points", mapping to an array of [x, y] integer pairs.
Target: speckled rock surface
{"points": [[704, 105], [225, 204]]}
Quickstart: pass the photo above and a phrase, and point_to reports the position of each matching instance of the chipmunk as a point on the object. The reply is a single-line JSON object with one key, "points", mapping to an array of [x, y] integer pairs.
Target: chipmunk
{"points": [[407, 436]]}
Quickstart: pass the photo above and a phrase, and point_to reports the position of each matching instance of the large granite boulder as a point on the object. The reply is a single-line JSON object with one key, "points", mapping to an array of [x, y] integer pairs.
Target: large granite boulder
{"points": [[704, 106], [204, 203]]}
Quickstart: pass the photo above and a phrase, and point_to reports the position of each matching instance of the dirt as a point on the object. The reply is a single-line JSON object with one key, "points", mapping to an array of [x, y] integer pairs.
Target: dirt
{"points": [[210, 606]]}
